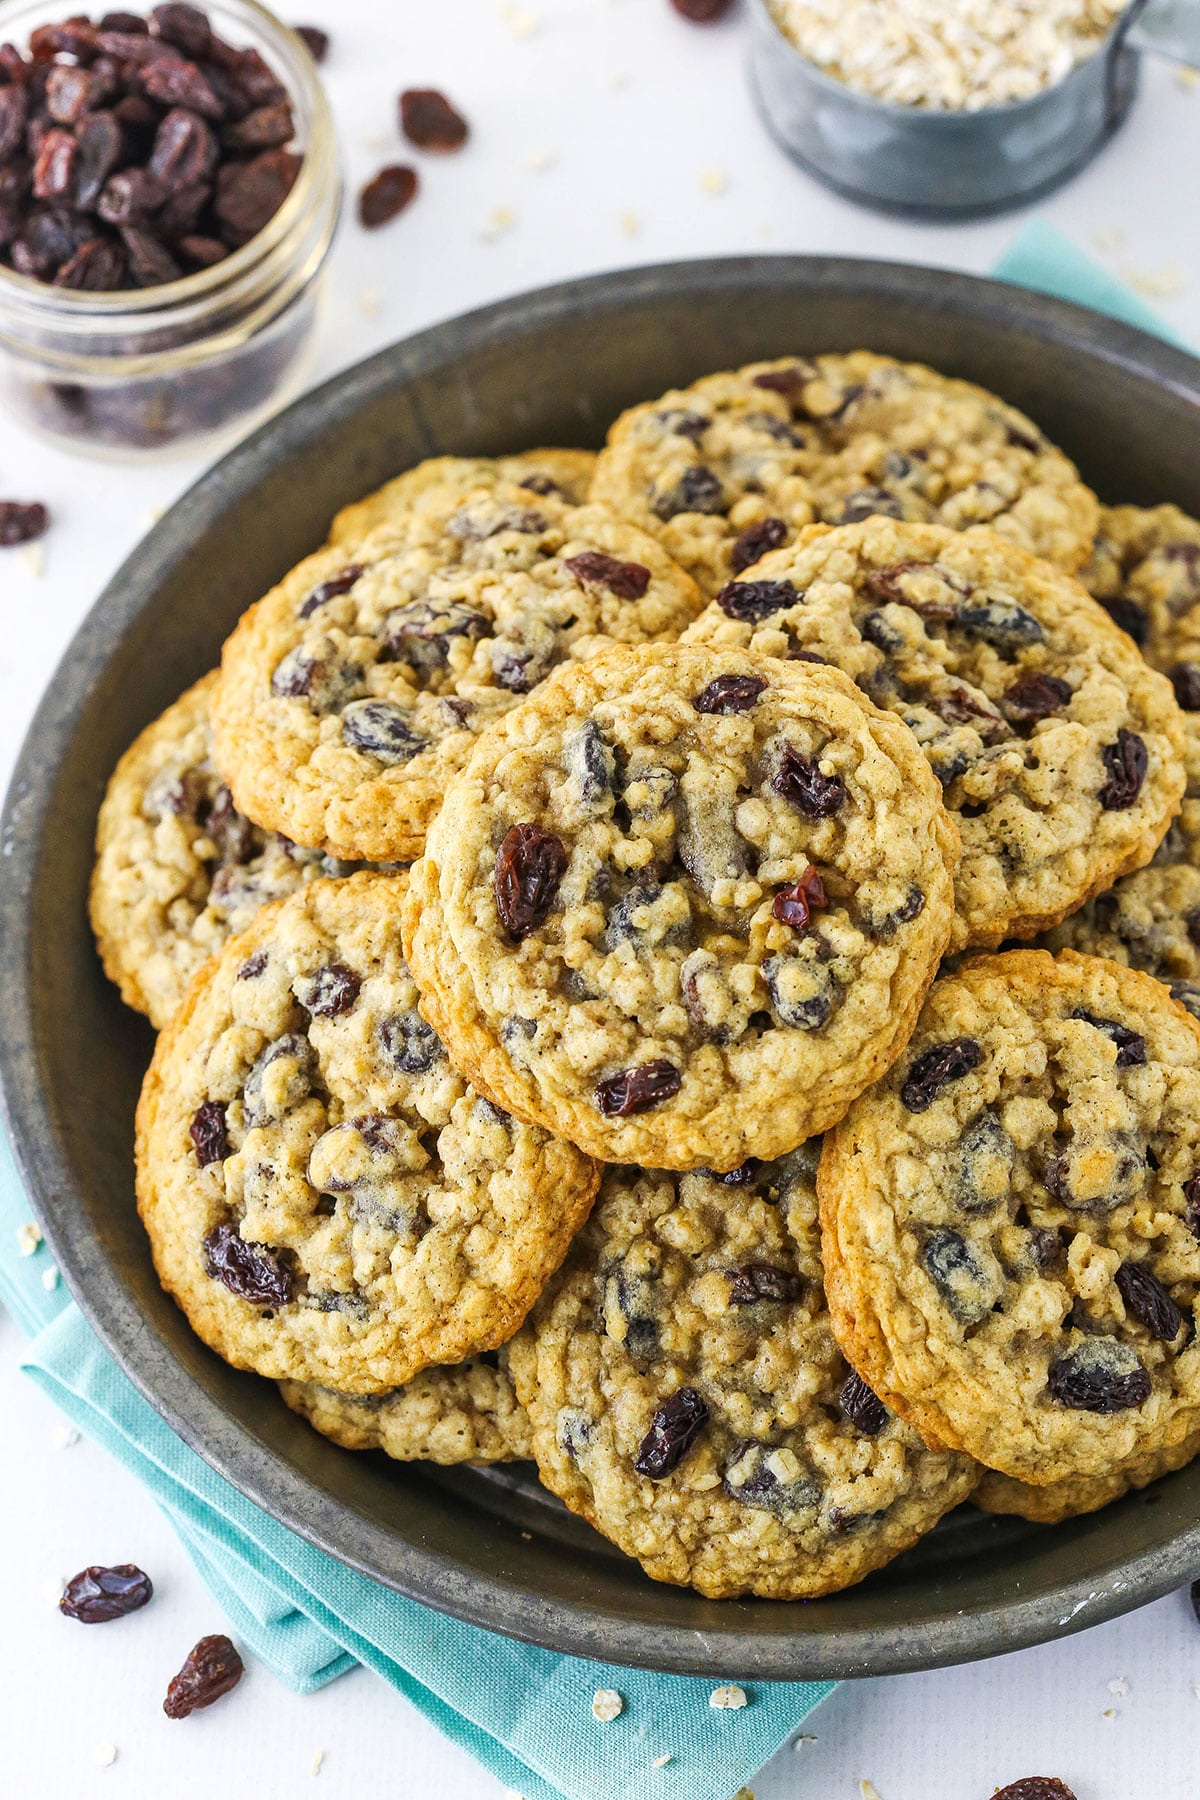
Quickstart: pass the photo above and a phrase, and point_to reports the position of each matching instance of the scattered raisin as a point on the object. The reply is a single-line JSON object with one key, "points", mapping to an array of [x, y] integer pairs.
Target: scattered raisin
{"points": [[864, 1409], [21, 521], [96, 1595], [316, 39], [755, 541], [730, 694], [1035, 1787], [1126, 762], [795, 905], [673, 1431], [799, 781], [1035, 697], [530, 864], [386, 194], [207, 1132], [251, 1271], [638, 1089], [763, 1281], [753, 601], [1131, 1045], [627, 580], [1185, 679], [211, 1669], [1149, 1302], [935, 1067], [428, 120], [701, 12]]}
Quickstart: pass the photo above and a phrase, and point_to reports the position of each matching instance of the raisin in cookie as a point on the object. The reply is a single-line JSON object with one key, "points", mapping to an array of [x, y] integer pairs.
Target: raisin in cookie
{"points": [[1082, 1494], [326, 1197], [1010, 1219], [350, 697], [1059, 752], [684, 904], [688, 1398], [566, 474], [178, 869], [736, 464], [464, 1413]]}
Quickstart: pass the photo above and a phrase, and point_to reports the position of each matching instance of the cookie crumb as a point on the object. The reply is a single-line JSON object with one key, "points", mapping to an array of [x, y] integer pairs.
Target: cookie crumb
{"points": [[64, 1437], [1109, 1714], [868, 1790], [728, 1698], [50, 1279], [29, 1236], [32, 558], [660, 1762], [538, 161], [104, 1756], [805, 1737], [497, 223], [607, 1704], [713, 181], [1119, 1688], [370, 303], [1186, 78], [318, 1759], [1110, 238], [620, 79], [744, 1793], [630, 223], [527, 1537], [520, 21], [1159, 284]]}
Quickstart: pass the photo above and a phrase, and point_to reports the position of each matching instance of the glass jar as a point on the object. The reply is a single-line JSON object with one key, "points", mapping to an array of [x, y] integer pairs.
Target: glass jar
{"points": [[156, 368]]}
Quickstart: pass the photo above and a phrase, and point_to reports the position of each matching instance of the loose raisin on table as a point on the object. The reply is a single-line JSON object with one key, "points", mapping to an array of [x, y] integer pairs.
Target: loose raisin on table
{"points": [[864, 1409], [799, 781], [701, 12], [97, 1595], [1126, 761], [210, 1669], [637, 1090], [251, 1271], [21, 521], [207, 1132], [429, 121], [796, 905], [673, 1431], [386, 194], [753, 601], [730, 694], [934, 1068], [1149, 1302], [1035, 1787], [627, 580], [316, 40], [530, 864]]}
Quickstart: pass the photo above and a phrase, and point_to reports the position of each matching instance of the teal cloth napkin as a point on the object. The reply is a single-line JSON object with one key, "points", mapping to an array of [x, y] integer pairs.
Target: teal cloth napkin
{"points": [[524, 1713]]}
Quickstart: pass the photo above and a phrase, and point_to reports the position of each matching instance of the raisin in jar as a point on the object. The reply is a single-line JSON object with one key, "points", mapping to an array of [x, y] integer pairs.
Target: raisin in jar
{"points": [[149, 369]]}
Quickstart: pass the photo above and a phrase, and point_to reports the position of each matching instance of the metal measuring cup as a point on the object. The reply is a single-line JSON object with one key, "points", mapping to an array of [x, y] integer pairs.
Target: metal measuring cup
{"points": [[952, 165]]}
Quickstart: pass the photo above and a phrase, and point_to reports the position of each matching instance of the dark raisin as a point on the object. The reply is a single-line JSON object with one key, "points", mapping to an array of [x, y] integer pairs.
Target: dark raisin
{"points": [[753, 601], [864, 1409], [678, 423], [211, 1669], [701, 12], [1191, 1193], [130, 197], [877, 629], [100, 146], [1035, 1787], [150, 262], [637, 1090], [673, 1431], [21, 521], [75, 36], [251, 1271], [207, 1132], [265, 128], [329, 991], [883, 927], [184, 26], [1126, 762], [409, 1043], [743, 1176], [1035, 697], [788, 380], [868, 503], [386, 194], [1149, 1302], [935, 1067], [54, 166], [68, 93], [1002, 623], [798, 654], [764, 1281], [1100, 1376], [173, 81], [755, 541], [14, 115], [381, 729], [203, 251], [799, 781], [185, 150], [1131, 1045], [627, 580], [341, 583], [1129, 616], [796, 905], [530, 864], [98, 266], [698, 490], [96, 1595], [1185, 679], [251, 193], [316, 40], [428, 120], [959, 1274], [802, 994], [730, 694], [253, 966]]}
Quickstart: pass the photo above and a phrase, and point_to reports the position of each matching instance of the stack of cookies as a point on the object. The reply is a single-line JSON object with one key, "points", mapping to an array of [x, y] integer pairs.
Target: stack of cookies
{"points": [[545, 912]]}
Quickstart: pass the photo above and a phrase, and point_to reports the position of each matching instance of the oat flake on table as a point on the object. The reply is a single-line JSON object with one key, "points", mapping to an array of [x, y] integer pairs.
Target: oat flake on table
{"points": [[947, 55]]}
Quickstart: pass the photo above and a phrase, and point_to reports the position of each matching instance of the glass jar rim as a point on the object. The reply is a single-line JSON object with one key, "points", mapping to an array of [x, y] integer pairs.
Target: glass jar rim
{"points": [[179, 299]]}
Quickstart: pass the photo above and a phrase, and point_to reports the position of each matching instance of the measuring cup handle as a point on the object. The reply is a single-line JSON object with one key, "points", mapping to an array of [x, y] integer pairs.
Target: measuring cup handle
{"points": [[1169, 28]]}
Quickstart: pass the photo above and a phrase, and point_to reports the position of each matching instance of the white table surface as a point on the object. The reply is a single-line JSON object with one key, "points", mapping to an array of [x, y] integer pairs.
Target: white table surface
{"points": [[602, 127]]}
